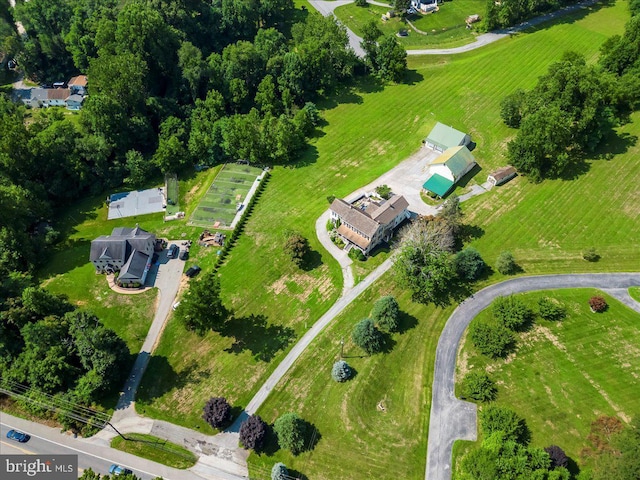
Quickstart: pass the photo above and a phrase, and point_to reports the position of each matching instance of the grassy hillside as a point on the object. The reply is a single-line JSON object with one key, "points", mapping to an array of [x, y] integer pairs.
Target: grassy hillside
{"points": [[565, 374]]}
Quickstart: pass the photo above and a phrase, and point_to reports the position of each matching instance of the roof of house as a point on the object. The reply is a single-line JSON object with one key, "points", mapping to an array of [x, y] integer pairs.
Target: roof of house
{"points": [[503, 172], [119, 245], [385, 213], [57, 93], [438, 184], [353, 237], [39, 93], [456, 159], [355, 217], [75, 98], [133, 269], [79, 81], [445, 137]]}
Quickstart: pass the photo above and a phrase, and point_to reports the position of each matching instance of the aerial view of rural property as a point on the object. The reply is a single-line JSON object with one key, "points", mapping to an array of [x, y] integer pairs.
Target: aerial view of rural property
{"points": [[320, 239]]}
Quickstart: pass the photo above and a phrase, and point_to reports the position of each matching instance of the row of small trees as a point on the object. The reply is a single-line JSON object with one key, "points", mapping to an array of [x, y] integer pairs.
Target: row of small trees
{"points": [[292, 432]]}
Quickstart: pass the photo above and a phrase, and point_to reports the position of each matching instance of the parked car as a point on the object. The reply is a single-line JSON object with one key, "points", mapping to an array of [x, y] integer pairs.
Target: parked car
{"points": [[18, 436], [173, 251], [118, 470], [184, 254], [193, 271]]}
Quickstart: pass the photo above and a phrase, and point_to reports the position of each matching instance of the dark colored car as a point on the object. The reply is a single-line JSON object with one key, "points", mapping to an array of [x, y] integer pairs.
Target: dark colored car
{"points": [[118, 470], [173, 251], [18, 436], [193, 271], [184, 254]]}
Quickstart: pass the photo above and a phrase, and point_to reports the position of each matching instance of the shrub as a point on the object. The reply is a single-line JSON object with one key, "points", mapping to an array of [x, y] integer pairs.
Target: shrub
{"points": [[330, 199], [330, 225], [384, 191], [291, 431], [469, 264], [550, 310], [590, 255], [356, 254], [252, 433], [279, 472], [361, 3], [491, 340], [511, 312], [341, 371], [501, 419], [598, 304], [478, 386], [506, 264], [385, 313], [366, 336], [217, 412], [557, 456]]}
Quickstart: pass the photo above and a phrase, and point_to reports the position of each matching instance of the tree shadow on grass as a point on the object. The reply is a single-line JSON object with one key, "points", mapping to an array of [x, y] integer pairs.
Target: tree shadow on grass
{"points": [[270, 445], [412, 77], [387, 342], [253, 333], [163, 378], [311, 260], [297, 475], [573, 467], [406, 322], [469, 233]]}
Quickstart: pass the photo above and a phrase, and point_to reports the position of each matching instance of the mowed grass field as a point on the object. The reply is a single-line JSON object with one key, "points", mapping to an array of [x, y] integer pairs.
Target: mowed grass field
{"points": [[445, 28], [368, 129], [565, 374], [229, 188], [374, 425]]}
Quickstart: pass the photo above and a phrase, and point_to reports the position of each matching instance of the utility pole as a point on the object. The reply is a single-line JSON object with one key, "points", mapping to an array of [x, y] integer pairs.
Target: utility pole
{"points": [[342, 348]]}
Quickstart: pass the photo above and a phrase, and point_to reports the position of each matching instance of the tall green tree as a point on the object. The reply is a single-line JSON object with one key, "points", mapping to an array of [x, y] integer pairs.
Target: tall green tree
{"points": [[201, 308]]}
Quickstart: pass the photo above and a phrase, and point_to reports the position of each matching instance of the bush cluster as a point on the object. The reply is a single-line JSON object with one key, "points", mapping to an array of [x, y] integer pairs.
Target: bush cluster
{"points": [[511, 312], [478, 386], [550, 310], [217, 412], [598, 304], [492, 340]]}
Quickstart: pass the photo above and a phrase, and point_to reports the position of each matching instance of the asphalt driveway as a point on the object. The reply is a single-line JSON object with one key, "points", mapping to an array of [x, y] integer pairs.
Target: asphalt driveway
{"points": [[452, 419]]}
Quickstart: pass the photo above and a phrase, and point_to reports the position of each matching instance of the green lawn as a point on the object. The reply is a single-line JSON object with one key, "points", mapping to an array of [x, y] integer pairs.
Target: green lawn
{"points": [[258, 279], [156, 449], [565, 374], [445, 28], [375, 425]]}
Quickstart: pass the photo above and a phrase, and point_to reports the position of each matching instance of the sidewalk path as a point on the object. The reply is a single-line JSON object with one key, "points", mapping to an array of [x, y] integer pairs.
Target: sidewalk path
{"points": [[452, 419]]}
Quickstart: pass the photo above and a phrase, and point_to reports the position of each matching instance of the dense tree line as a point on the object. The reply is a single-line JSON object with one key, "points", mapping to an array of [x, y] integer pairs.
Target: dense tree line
{"points": [[48, 345], [506, 13]]}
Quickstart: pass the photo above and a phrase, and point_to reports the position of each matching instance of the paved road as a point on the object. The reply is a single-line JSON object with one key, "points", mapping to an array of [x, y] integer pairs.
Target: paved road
{"points": [[167, 278], [452, 419], [47, 440], [326, 8]]}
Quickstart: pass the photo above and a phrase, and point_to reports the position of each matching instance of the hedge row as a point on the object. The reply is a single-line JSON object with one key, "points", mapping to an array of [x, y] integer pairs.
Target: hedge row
{"points": [[232, 239]]}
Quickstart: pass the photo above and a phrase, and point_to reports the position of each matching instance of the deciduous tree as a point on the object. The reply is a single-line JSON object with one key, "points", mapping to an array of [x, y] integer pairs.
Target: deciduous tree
{"points": [[217, 412]]}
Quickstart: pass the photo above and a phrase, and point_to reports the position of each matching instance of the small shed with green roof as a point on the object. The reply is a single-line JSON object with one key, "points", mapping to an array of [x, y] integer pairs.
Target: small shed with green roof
{"points": [[443, 137], [447, 169]]}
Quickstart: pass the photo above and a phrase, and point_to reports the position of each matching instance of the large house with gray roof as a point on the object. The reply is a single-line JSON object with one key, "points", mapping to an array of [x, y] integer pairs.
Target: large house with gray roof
{"points": [[370, 223], [127, 250]]}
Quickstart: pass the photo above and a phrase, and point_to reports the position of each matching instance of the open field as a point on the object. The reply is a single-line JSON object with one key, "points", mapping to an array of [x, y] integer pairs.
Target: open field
{"points": [[357, 438], [227, 191], [445, 28], [566, 374], [155, 449], [259, 279]]}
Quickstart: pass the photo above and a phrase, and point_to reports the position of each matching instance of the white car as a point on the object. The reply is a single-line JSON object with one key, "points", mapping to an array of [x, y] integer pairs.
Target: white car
{"points": [[175, 305]]}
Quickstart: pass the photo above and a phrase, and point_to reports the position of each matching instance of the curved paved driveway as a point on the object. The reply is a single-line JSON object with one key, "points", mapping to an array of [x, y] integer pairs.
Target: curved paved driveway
{"points": [[452, 419]]}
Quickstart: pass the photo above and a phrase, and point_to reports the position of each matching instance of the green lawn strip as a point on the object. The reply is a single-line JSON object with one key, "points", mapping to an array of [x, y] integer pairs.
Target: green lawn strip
{"points": [[634, 292], [374, 419], [445, 28], [566, 374], [156, 449]]}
